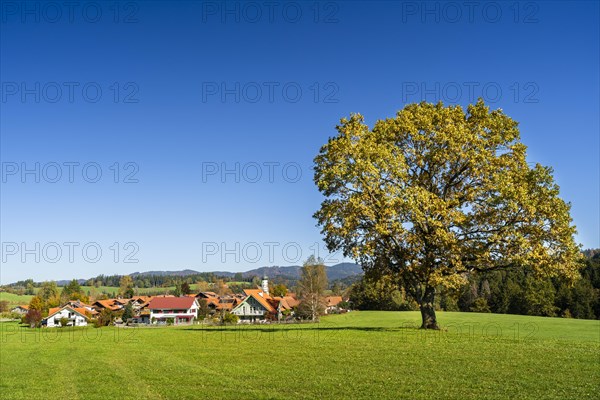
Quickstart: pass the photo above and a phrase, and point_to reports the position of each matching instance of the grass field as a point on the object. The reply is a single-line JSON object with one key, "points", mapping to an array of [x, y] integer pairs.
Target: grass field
{"points": [[356, 355], [112, 290], [15, 299]]}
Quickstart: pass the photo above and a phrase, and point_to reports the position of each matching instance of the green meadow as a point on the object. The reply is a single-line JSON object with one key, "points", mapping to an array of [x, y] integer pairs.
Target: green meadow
{"points": [[15, 299], [362, 354]]}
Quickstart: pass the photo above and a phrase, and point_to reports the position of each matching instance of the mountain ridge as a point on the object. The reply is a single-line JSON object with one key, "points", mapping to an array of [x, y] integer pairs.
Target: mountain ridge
{"points": [[334, 272]]}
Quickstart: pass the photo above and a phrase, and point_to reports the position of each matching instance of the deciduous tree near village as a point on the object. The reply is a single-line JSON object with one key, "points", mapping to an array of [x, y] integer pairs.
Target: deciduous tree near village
{"points": [[311, 288], [435, 193]]}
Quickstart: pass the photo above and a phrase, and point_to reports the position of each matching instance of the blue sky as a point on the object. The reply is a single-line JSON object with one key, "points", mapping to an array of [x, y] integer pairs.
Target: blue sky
{"points": [[173, 95]]}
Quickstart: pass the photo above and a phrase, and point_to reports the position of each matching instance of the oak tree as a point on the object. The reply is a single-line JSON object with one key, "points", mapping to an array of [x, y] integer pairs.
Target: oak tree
{"points": [[436, 193]]}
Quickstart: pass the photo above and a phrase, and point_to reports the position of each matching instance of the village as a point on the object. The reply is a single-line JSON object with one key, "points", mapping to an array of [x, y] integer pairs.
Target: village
{"points": [[252, 306]]}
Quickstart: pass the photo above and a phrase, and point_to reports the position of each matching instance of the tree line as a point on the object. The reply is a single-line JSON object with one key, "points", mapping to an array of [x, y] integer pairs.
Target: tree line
{"points": [[517, 291]]}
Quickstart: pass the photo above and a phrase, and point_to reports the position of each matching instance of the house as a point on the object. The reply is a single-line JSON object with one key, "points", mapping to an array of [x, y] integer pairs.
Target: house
{"points": [[78, 304], [142, 318], [259, 305], [140, 303], [221, 304], [74, 316], [285, 305], [182, 310], [20, 310], [332, 303], [137, 301], [207, 295], [111, 304], [256, 306]]}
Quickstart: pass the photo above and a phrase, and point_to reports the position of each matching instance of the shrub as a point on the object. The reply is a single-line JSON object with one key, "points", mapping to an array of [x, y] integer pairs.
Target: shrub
{"points": [[33, 318], [230, 319], [105, 317]]}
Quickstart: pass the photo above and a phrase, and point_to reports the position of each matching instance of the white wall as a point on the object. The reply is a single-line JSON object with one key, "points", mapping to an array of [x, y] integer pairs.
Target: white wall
{"points": [[54, 321]]}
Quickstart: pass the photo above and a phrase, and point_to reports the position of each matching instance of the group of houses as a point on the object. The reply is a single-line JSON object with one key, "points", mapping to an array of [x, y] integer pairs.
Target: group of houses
{"points": [[253, 305]]}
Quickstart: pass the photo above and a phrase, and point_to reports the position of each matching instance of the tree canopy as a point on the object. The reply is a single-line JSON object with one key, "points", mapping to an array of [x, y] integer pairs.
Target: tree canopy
{"points": [[435, 193]]}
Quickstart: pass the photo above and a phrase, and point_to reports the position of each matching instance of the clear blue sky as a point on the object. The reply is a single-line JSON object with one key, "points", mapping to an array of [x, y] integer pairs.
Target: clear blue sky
{"points": [[185, 90]]}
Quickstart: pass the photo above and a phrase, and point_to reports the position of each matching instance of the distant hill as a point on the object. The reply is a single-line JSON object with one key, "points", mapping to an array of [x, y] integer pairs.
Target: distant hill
{"points": [[65, 282], [184, 272], [334, 272], [338, 271]]}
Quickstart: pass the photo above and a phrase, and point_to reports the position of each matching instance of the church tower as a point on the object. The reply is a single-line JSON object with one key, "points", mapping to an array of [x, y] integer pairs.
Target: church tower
{"points": [[265, 285]]}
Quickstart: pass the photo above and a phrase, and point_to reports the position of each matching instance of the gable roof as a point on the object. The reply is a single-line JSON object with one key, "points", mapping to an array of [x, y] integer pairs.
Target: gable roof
{"points": [[140, 299], [158, 303], [110, 304], [207, 294], [292, 301], [77, 304], [82, 310], [55, 310], [285, 302], [263, 300], [333, 301]]}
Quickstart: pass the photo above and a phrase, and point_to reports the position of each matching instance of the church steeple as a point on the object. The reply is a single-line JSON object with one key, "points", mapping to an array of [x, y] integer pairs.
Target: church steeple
{"points": [[265, 285]]}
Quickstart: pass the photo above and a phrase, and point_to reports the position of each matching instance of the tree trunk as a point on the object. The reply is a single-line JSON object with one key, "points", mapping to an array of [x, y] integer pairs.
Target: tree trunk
{"points": [[428, 318]]}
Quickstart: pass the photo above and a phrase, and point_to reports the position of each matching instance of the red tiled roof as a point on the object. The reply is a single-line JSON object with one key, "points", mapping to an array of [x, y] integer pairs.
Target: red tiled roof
{"points": [[292, 301], [212, 300], [110, 304], [159, 303], [141, 299], [54, 310], [207, 294], [261, 299], [225, 306], [333, 301], [82, 311]]}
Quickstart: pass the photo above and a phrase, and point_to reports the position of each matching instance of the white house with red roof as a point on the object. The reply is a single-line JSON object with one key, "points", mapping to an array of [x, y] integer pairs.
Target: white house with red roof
{"points": [[182, 310], [259, 305], [20, 309], [256, 306], [74, 316]]}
